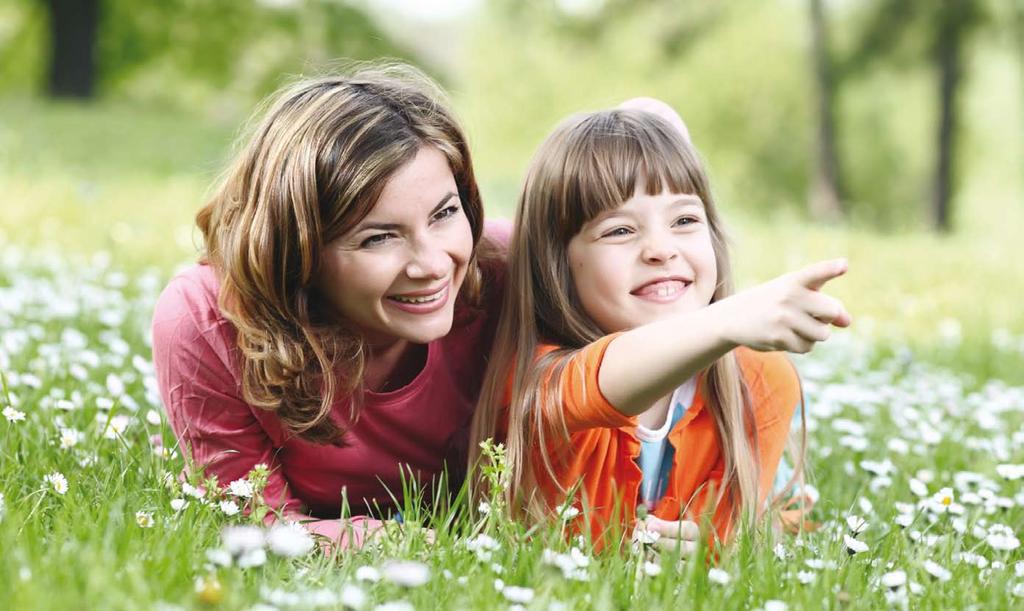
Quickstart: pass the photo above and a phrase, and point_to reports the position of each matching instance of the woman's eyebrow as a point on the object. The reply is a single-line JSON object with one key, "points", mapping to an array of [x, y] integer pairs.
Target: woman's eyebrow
{"points": [[394, 226], [444, 200]]}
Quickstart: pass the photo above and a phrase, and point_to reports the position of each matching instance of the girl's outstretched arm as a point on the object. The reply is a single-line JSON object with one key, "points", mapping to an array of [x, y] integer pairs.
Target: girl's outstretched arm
{"points": [[788, 313]]}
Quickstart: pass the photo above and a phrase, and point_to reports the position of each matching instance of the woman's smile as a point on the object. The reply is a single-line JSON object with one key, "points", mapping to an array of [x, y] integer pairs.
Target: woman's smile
{"points": [[421, 302]]}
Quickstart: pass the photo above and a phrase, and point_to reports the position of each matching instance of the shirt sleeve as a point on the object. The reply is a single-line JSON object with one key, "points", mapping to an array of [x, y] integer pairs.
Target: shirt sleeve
{"points": [[584, 406], [216, 429], [775, 392], [498, 231]]}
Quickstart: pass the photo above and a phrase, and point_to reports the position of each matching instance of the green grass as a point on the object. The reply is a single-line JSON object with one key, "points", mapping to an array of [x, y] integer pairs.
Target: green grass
{"points": [[128, 181]]}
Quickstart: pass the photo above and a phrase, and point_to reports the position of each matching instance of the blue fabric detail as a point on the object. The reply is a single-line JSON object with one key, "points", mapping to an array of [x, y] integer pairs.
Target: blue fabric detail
{"points": [[655, 462], [785, 470]]}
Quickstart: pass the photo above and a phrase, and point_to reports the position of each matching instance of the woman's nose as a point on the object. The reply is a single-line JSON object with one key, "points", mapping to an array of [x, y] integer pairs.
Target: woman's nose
{"points": [[429, 261]]}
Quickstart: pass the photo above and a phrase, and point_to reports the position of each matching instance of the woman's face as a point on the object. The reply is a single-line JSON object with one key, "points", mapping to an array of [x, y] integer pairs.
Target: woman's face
{"points": [[396, 275]]}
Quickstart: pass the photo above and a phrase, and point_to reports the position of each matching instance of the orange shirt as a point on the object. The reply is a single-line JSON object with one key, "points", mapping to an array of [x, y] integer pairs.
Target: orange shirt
{"points": [[600, 458]]}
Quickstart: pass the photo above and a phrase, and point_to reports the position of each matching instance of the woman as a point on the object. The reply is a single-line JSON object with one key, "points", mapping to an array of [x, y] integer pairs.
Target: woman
{"points": [[336, 326]]}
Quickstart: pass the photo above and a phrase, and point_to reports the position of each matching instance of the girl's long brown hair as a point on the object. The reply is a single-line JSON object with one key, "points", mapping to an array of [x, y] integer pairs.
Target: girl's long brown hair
{"points": [[589, 164], [311, 169]]}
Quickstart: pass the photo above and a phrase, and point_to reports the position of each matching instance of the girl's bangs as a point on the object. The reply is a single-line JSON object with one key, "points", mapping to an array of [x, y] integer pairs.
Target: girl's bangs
{"points": [[617, 154]]}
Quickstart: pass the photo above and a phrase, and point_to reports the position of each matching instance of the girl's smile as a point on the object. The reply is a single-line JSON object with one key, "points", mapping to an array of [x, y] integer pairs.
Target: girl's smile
{"points": [[662, 290]]}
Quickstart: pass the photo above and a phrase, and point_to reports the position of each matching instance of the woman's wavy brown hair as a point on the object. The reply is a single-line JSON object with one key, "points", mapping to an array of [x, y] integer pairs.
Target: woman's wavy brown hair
{"points": [[314, 166]]}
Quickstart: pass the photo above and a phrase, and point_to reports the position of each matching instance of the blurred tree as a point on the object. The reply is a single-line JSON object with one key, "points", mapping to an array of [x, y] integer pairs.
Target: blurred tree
{"points": [[825, 196], [897, 31], [194, 50], [72, 65]]}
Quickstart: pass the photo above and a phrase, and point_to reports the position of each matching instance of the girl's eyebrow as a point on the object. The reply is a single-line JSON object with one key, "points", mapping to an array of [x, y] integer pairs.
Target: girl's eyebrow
{"points": [[394, 226], [688, 200]]}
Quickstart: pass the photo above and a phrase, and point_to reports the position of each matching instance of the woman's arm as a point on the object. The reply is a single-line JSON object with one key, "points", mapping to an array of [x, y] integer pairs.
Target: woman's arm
{"points": [[215, 428], [788, 313]]}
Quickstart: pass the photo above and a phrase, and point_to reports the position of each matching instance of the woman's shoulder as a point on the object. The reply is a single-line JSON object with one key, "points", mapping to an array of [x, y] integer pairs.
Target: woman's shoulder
{"points": [[188, 307], [191, 292]]}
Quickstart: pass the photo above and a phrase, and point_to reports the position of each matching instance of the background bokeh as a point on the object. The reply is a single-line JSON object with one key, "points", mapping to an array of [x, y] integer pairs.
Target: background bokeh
{"points": [[113, 149]]}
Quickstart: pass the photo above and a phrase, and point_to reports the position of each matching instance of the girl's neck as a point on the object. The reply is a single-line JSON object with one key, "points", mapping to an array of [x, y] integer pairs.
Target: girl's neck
{"points": [[392, 366]]}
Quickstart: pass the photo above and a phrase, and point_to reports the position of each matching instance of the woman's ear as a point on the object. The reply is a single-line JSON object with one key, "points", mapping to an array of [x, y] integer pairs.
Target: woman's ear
{"points": [[663, 110]]}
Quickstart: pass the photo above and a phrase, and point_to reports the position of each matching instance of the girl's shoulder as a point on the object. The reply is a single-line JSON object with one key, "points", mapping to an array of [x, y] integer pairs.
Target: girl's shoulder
{"points": [[770, 376]]}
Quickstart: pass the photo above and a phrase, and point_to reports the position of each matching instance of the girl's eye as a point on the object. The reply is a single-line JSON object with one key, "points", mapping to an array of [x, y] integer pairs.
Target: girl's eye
{"points": [[446, 212], [376, 240], [686, 220], [617, 232]]}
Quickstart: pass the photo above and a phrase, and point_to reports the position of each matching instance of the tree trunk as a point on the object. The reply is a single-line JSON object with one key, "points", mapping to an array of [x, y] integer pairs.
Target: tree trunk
{"points": [[947, 56], [825, 197], [73, 25]]}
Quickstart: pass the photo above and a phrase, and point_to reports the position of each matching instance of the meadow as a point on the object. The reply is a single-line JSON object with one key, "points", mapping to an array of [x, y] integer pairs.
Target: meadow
{"points": [[915, 416]]}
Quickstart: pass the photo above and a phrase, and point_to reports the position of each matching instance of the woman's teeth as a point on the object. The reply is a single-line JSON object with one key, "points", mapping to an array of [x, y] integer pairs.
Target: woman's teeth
{"points": [[424, 299]]}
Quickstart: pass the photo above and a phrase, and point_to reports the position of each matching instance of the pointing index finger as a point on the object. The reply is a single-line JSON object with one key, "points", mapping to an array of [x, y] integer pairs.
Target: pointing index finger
{"points": [[815, 276]]}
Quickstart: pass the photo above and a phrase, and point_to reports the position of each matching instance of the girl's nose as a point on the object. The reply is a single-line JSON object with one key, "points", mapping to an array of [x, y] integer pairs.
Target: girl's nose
{"points": [[658, 249]]}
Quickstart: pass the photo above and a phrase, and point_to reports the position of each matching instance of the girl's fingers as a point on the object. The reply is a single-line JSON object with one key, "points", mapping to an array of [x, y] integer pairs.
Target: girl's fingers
{"points": [[825, 308], [815, 275], [811, 329], [675, 529]]}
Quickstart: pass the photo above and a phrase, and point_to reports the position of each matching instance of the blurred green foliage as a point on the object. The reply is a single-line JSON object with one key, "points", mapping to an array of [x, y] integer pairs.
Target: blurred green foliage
{"points": [[740, 75], [218, 54], [126, 173]]}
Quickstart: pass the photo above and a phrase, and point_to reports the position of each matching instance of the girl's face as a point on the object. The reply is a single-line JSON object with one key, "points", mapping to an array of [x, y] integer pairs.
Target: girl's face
{"points": [[396, 275], [649, 258]]}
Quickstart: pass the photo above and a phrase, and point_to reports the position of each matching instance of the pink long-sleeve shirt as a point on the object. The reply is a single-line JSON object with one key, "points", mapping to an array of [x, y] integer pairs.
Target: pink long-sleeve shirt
{"points": [[421, 428]]}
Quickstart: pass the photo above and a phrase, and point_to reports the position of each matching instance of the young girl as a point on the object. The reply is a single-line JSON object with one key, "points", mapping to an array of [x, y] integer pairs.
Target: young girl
{"points": [[636, 379]]}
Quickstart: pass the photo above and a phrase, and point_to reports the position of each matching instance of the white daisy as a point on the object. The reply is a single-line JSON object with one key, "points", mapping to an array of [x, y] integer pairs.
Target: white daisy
{"points": [[368, 573], [518, 594], [353, 597], [69, 438], [13, 415], [241, 488], [716, 575], [240, 539], [856, 524], [806, 577], [144, 519], [853, 546], [937, 571], [408, 573], [253, 557], [57, 481], [894, 579], [290, 539]]}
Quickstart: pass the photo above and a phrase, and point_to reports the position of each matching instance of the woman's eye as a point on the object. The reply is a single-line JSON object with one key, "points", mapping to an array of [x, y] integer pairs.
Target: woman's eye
{"points": [[447, 211], [376, 240]]}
